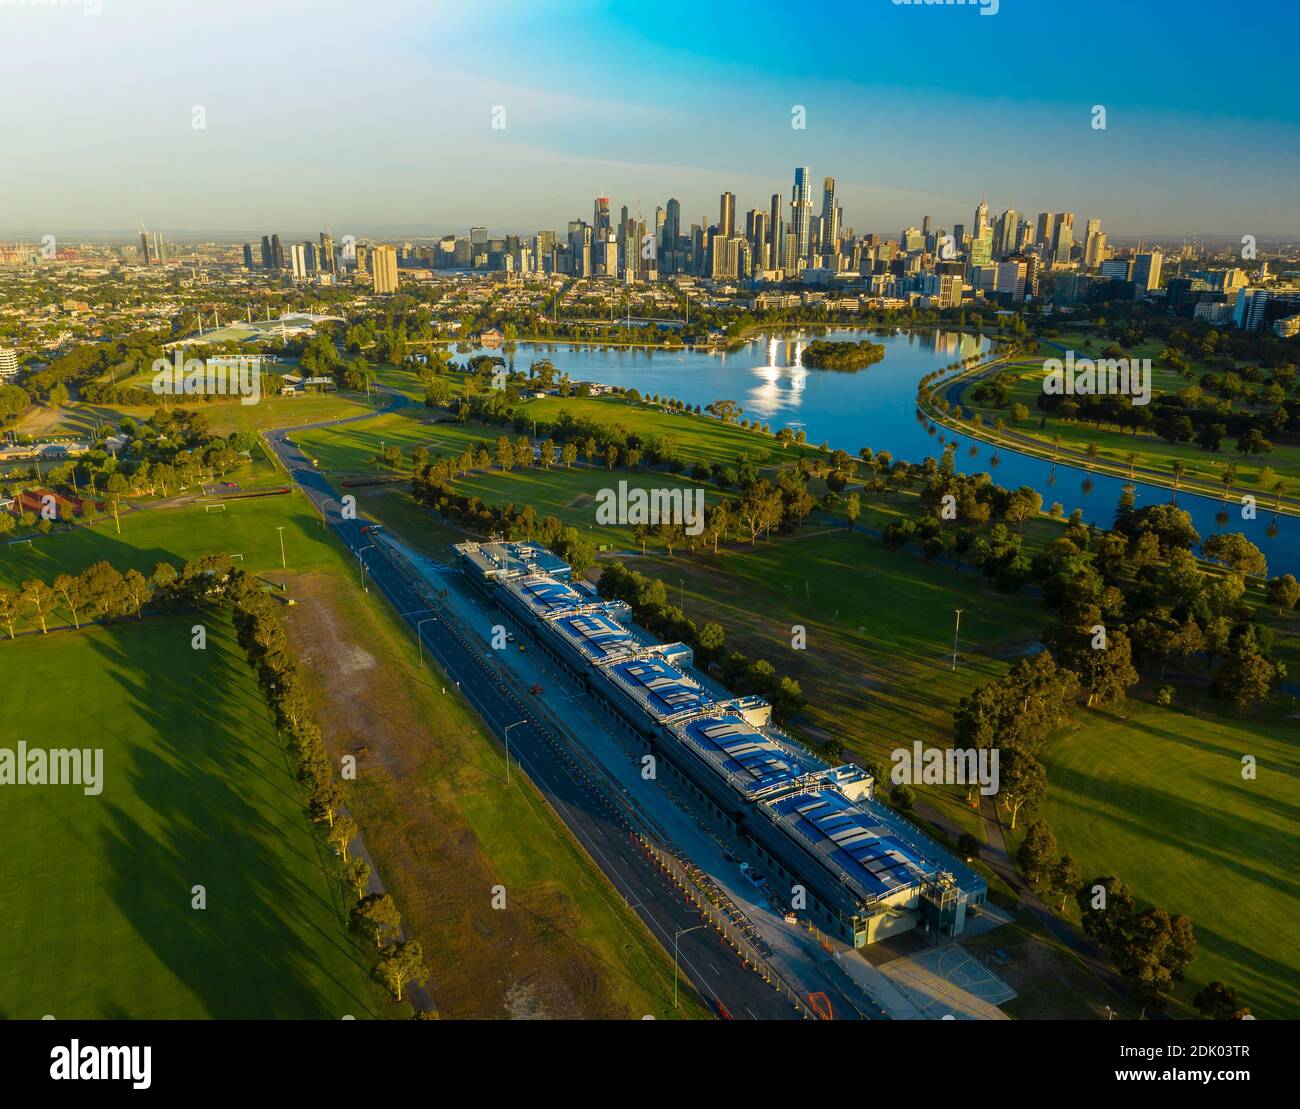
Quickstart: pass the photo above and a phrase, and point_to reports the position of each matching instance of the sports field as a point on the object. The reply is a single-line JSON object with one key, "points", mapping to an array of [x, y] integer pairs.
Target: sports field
{"points": [[97, 919], [1156, 796], [244, 528]]}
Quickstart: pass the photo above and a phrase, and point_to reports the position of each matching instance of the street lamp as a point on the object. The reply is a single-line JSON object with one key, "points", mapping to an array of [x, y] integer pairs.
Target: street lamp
{"points": [[362, 564], [955, 634], [507, 739], [420, 639], [280, 529], [676, 936]]}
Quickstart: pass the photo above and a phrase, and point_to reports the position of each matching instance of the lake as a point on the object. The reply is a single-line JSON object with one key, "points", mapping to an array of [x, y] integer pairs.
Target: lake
{"points": [[876, 408]]}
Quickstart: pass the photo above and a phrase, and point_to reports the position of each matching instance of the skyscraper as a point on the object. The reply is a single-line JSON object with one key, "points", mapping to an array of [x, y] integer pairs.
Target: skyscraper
{"points": [[776, 228], [298, 261], [600, 215], [248, 256], [277, 253], [145, 250], [981, 219], [1004, 241], [383, 264], [830, 217], [1063, 237], [267, 258], [727, 215], [326, 252], [800, 215], [1146, 270], [1043, 230]]}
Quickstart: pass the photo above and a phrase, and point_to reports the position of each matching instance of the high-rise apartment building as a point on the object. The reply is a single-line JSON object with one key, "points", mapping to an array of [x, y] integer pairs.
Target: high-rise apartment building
{"points": [[248, 256], [800, 216], [830, 218], [383, 264], [776, 229], [268, 259], [727, 215]]}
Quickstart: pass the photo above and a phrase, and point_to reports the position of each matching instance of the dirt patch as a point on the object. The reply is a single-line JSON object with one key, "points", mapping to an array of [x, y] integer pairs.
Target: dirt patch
{"points": [[420, 761]]}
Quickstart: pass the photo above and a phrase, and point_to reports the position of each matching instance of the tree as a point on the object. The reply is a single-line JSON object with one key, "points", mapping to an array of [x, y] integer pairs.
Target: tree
{"points": [[1037, 853], [343, 830], [136, 591], [1237, 553], [325, 801], [357, 873], [1283, 593], [9, 609], [1218, 1001], [1065, 878], [505, 454], [73, 592], [1105, 907], [116, 489], [401, 963], [1247, 677], [1023, 783], [1154, 953], [39, 599], [852, 510], [376, 916]]}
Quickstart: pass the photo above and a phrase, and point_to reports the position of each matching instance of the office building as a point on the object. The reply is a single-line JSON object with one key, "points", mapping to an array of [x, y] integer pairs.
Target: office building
{"points": [[383, 262], [1146, 270]]}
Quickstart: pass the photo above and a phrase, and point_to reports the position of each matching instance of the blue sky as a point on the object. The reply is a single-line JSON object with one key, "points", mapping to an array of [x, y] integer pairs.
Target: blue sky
{"points": [[379, 114]]}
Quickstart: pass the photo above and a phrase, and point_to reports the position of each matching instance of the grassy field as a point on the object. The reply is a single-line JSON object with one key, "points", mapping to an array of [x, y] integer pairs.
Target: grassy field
{"points": [[586, 954], [98, 920], [174, 534], [877, 667], [223, 417], [698, 437], [1153, 451], [1155, 795]]}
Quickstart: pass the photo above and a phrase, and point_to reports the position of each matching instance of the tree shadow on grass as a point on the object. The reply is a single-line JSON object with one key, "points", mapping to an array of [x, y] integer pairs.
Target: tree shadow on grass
{"points": [[207, 799]]}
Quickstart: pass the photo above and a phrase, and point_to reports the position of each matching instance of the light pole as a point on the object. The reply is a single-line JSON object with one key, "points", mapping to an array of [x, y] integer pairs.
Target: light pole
{"points": [[362, 564], [507, 739], [420, 639], [280, 529], [676, 936], [955, 634]]}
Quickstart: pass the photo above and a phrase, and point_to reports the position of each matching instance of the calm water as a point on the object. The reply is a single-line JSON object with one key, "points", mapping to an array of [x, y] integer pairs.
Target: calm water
{"points": [[876, 408]]}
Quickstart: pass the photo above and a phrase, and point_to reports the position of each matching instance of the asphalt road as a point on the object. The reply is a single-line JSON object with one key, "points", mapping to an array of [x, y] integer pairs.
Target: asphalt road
{"points": [[705, 959]]}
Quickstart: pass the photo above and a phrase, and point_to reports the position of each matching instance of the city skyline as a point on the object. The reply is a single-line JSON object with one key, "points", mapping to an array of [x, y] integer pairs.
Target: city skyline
{"points": [[431, 124]]}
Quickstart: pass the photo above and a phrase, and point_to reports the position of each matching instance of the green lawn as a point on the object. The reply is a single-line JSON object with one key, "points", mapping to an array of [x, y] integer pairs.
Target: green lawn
{"points": [[97, 889], [877, 670], [698, 437], [1153, 451], [1155, 795], [174, 534]]}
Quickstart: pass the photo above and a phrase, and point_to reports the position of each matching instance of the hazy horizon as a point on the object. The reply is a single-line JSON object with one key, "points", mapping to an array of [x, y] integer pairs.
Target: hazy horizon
{"points": [[382, 117]]}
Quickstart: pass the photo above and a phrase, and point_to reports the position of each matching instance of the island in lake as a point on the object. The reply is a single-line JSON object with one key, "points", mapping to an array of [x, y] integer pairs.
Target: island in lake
{"points": [[822, 354]]}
